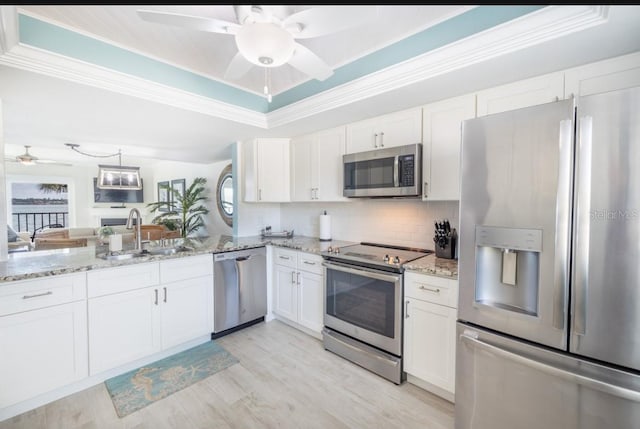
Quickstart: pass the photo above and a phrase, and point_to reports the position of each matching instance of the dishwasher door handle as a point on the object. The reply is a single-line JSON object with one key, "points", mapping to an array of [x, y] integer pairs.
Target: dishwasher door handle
{"points": [[243, 258]]}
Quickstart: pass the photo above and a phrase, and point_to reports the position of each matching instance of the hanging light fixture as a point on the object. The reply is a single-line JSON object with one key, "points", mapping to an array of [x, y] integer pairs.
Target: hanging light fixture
{"points": [[114, 176]]}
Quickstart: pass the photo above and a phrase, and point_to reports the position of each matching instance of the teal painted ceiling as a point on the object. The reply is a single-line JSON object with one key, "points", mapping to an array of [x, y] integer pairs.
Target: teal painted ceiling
{"points": [[66, 42]]}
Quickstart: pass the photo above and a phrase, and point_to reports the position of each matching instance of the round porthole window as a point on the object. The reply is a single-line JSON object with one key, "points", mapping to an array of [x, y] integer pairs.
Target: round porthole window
{"points": [[224, 195]]}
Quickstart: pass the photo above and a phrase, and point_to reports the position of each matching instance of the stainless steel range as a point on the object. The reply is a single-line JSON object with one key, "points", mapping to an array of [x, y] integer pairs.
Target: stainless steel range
{"points": [[363, 305]]}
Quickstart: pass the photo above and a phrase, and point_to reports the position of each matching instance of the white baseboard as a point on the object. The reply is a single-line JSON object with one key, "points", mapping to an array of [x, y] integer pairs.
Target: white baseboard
{"points": [[425, 385]]}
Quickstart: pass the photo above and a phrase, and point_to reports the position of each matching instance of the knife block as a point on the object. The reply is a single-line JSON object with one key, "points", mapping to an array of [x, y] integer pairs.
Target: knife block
{"points": [[449, 249]]}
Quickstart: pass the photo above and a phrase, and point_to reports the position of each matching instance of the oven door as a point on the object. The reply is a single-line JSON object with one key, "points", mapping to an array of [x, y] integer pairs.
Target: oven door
{"points": [[365, 304]]}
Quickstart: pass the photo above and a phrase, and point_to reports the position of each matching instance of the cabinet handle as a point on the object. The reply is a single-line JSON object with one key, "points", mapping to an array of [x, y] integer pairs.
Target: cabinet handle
{"points": [[37, 295], [286, 258], [406, 309], [309, 263], [425, 189], [316, 195], [293, 277], [298, 276], [375, 140], [165, 294], [382, 139], [430, 289], [259, 194], [156, 292]]}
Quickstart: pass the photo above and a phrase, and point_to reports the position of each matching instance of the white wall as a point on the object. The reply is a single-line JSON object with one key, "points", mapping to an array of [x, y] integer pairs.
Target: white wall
{"points": [[3, 213], [172, 170], [403, 222]]}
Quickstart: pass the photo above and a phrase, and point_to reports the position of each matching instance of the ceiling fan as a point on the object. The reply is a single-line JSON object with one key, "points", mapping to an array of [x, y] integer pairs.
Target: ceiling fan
{"points": [[266, 35], [27, 159]]}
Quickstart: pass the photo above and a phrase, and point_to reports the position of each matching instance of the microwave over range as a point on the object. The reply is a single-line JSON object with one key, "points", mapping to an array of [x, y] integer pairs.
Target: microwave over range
{"points": [[388, 172]]}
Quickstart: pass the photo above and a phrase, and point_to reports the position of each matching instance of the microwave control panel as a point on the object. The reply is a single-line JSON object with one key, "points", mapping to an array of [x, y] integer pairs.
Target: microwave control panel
{"points": [[406, 165]]}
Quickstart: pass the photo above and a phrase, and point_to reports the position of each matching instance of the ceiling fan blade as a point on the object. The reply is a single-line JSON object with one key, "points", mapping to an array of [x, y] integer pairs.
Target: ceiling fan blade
{"points": [[309, 63], [237, 67], [50, 162], [322, 20], [188, 21]]}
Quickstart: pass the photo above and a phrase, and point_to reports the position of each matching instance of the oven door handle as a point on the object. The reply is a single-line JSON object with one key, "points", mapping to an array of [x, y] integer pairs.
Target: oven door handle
{"points": [[361, 271]]}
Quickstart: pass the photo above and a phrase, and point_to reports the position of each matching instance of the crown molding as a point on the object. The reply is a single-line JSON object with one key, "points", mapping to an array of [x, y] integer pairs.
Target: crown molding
{"points": [[537, 27]]}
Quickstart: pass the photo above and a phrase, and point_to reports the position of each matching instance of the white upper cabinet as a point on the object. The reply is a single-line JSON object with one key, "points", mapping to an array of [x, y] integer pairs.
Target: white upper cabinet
{"points": [[316, 167], [396, 129], [441, 146], [524, 93], [266, 170], [609, 75]]}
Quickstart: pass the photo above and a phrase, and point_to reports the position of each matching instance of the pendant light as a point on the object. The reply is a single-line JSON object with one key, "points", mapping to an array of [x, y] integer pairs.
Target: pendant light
{"points": [[114, 176]]}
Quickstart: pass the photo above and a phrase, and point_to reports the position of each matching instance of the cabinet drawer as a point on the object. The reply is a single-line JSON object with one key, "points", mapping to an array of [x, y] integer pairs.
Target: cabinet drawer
{"points": [[432, 289], [121, 279], [310, 263], [27, 295], [285, 257], [186, 268]]}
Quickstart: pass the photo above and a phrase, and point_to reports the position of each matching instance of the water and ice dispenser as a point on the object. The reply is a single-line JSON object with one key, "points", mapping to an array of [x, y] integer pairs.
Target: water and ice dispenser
{"points": [[507, 267]]}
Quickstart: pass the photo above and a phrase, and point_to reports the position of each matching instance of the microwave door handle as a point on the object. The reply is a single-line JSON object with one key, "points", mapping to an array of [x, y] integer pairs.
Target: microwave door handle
{"points": [[396, 172]]}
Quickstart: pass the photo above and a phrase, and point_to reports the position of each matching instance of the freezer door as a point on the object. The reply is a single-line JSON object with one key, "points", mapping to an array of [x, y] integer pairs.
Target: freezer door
{"points": [[516, 192], [504, 384], [606, 275]]}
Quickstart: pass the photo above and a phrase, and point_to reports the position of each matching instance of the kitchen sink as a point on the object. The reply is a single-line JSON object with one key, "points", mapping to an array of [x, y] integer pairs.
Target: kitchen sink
{"points": [[121, 256], [167, 250]]}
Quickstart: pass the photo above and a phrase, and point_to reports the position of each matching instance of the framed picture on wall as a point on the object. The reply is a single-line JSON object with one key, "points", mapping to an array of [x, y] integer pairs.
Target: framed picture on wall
{"points": [[163, 195], [178, 187]]}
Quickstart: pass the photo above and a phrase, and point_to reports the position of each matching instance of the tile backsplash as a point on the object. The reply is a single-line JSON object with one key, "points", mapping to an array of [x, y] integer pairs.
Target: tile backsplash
{"points": [[402, 222]]}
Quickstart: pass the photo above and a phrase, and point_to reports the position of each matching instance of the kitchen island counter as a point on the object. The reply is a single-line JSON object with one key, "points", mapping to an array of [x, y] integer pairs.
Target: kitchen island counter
{"points": [[30, 265]]}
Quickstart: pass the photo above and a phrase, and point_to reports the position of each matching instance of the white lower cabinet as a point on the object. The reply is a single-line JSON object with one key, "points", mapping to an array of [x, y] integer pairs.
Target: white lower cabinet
{"points": [[43, 336], [123, 327], [138, 322], [298, 288], [430, 332]]}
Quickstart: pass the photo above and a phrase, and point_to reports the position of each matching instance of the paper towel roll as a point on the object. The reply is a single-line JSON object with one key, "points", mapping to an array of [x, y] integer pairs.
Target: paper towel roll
{"points": [[115, 242], [325, 227]]}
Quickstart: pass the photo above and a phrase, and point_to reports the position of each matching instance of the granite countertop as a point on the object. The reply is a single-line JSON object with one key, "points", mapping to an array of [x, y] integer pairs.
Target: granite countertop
{"points": [[28, 265], [431, 265]]}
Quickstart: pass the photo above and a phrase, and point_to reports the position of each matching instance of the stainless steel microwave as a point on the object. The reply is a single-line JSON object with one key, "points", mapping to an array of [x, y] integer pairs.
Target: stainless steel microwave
{"points": [[389, 172]]}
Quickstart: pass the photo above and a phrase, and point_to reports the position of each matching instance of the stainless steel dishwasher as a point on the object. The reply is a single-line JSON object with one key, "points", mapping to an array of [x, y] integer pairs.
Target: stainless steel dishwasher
{"points": [[240, 289]]}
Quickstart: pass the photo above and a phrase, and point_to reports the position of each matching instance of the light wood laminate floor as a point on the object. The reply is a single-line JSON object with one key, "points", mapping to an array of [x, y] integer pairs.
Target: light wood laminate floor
{"points": [[285, 379]]}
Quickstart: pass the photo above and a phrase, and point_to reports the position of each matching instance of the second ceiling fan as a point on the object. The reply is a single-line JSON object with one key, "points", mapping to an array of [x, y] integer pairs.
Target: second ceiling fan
{"points": [[266, 35]]}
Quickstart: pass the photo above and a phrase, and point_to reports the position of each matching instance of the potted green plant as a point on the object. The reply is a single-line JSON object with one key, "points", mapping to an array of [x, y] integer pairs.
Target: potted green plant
{"points": [[104, 233], [183, 211]]}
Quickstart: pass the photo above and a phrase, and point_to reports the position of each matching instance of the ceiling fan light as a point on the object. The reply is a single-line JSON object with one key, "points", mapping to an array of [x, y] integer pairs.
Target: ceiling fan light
{"points": [[265, 44], [25, 161]]}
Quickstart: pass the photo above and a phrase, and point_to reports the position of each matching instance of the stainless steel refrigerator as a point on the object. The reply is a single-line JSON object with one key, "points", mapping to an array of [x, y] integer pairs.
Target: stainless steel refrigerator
{"points": [[549, 267]]}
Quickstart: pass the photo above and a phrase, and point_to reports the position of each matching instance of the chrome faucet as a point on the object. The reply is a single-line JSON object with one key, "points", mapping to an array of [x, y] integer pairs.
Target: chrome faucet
{"points": [[138, 223]]}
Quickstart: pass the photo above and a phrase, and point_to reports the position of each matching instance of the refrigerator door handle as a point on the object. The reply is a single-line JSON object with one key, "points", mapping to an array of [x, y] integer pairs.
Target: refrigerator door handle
{"points": [[583, 206], [611, 389], [563, 214]]}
